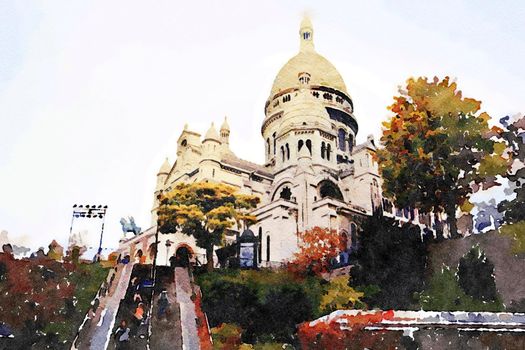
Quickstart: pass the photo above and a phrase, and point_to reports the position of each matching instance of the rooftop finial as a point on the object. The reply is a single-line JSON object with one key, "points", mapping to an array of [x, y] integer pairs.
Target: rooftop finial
{"points": [[306, 33]]}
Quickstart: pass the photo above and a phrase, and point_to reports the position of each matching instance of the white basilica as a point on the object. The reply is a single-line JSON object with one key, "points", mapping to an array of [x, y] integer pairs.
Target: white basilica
{"points": [[314, 173]]}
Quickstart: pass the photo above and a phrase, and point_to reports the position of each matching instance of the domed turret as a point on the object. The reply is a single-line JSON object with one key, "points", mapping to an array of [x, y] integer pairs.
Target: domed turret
{"points": [[163, 173], [225, 126], [165, 168], [308, 66], [308, 102], [211, 134]]}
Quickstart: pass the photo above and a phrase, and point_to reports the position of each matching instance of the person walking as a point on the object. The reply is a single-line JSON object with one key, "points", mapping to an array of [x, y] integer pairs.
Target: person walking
{"points": [[163, 305], [122, 336], [139, 315]]}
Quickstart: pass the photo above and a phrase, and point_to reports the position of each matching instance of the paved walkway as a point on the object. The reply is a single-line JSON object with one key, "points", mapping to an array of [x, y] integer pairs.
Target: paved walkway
{"points": [[190, 338], [166, 332], [95, 332], [104, 328]]}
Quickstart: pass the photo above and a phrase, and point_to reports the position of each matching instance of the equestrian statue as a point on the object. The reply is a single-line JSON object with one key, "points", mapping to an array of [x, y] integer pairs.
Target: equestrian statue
{"points": [[129, 226]]}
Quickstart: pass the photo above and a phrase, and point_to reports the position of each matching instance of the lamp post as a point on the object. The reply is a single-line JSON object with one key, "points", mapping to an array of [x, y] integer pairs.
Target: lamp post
{"points": [[157, 229], [153, 272], [90, 212], [168, 245]]}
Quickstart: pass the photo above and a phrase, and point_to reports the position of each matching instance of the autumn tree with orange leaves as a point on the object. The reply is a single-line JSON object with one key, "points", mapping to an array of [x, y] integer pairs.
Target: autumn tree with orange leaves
{"points": [[437, 149], [316, 248]]}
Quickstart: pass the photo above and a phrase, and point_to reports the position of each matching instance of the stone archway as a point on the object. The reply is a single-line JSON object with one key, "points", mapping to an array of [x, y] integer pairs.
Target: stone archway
{"points": [[182, 256], [329, 189]]}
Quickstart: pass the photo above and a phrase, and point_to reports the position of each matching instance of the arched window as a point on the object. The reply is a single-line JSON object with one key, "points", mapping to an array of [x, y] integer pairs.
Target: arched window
{"points": [[274, 144], [282, 153], [299, 145], [323, 149], [287, 152], [286, 193], [184, 143], [329, 189], [259, 251], [341, 136], [268, 146], [350, 143], [268, 248], [309, 145], [328, 151]]}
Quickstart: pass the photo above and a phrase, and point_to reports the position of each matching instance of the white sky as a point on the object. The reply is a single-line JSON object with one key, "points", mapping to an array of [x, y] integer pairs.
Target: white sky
{"points": [[93, 94]]}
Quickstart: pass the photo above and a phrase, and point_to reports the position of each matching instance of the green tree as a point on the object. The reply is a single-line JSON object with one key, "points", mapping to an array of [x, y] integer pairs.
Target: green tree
{"points": [[205, 211], [475, 275], [513, 135], [437, 149], [391, 258], [516, 232]]}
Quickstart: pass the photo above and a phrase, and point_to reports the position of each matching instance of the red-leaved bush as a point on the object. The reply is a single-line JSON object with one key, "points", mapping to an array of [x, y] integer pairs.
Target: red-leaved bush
{"points": [[347, 332], [316, 248]]}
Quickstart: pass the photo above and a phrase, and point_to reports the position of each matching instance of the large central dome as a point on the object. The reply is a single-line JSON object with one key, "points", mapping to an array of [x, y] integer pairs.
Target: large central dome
{"points": [[321, 71]]}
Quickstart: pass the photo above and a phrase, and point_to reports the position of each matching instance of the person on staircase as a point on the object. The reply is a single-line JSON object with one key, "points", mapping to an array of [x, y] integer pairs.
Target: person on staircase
{"points": [[122, 336], [138, 316], [163, 305]]}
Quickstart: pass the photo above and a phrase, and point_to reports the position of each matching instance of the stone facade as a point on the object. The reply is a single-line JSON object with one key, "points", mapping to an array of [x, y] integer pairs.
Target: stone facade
{"points": [[314, 172]]}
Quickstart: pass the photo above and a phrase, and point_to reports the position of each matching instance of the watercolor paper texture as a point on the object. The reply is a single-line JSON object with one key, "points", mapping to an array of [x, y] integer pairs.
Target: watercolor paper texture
{"points": [[262, 176]]}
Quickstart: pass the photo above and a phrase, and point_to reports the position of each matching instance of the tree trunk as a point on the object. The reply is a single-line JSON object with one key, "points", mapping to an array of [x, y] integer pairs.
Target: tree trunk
{"points": [[209, 258], [452, 221]]}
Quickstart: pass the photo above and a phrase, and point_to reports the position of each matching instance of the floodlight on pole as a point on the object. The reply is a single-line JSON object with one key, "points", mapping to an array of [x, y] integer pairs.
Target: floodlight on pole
{"points": [[90, 212]]}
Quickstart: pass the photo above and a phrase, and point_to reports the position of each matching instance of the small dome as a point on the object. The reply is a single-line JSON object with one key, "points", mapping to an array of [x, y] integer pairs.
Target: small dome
{"points": [[247, 236], [165, 167], [320, 70], [211, 134], [225, 125]]}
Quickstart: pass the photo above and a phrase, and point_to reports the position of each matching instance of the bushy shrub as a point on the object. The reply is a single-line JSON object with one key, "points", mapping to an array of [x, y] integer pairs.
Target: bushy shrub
{"points": [[475, 275], [393, 259], [226, 336], [44, 301], [339, 295], [444, 293], [317, 247], [267, 305]]}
